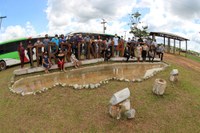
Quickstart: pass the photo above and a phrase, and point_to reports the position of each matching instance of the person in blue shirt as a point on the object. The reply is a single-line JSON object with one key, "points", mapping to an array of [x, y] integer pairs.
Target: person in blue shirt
{"points": [[62, 39], [56, 41]]}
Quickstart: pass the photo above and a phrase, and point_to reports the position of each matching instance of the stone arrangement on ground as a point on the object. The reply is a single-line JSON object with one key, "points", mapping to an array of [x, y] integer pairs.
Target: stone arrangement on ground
{"points": [[120, 105], [87, 77]]}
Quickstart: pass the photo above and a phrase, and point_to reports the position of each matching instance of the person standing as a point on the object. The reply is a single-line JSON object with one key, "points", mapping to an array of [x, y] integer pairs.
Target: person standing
{"points": [[151, 54], [21, 54], [127, 53], [56, 41], [138, 52], [46, 43], [144, 51], [30, 52], [162, 50], [86, 44], [116, 41]]}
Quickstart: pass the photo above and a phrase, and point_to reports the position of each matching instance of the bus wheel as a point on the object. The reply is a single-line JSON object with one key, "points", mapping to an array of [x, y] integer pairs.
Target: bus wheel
{"points": [[2, 65]]}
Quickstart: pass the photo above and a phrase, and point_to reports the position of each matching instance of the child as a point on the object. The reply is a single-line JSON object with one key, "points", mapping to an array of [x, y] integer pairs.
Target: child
{"points": [[75, 61], [46, 62]]}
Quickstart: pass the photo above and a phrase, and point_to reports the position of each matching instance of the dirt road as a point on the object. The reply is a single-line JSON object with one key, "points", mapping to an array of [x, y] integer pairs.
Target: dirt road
{"points": [[182, 61]]}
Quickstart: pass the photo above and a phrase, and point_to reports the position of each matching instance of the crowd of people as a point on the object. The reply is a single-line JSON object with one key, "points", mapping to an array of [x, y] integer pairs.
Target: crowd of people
{"points": [[77, 46]]}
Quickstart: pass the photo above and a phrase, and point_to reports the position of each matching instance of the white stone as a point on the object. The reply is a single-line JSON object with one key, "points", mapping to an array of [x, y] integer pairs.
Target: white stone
{"points": [[174, 72], [125, 105], [127, 80], [64, 84], [98, 84], [57, 83], [151, 72], [87, 86], [92, 86], [80, 87], [120, 96], [28, 93], [76, 86], [139, 80], [22, 93], [130, 113], [173, 78]]}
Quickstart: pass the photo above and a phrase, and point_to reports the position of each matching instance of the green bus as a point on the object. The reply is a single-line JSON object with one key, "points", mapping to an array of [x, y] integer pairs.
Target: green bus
{"points": [[9, 54]]}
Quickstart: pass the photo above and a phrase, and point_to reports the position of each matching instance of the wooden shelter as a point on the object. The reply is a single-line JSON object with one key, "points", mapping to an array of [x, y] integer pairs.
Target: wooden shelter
{"points": [[170, 37]]}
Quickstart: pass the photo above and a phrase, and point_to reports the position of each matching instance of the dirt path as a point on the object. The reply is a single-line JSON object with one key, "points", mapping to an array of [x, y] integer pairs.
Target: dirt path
{"points": [[182, 61]]}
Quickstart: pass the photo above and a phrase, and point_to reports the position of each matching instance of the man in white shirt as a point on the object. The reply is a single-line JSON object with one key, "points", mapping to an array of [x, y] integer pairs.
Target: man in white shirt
{"points": [[116, 41]]}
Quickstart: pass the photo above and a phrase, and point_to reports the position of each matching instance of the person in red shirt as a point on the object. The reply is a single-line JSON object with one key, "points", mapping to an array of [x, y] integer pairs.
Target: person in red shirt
{"points": [[21, 54]]}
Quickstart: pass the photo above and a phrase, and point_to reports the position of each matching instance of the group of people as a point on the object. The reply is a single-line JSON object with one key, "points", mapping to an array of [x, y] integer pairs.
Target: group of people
{"points": [[97, 47], [44, 59], [143, 49]]}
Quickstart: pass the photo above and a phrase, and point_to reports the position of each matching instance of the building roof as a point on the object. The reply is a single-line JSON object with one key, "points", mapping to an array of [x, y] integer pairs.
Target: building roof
{"points": [[169, 35]]}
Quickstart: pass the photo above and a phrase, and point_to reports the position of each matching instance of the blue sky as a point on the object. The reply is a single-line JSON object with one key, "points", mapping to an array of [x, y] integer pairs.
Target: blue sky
{"points": [[22, 11], [38, 17]]}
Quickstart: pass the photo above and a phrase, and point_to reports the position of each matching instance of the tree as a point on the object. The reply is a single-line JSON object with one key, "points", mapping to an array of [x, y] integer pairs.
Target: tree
{"points": [[138, 29]]}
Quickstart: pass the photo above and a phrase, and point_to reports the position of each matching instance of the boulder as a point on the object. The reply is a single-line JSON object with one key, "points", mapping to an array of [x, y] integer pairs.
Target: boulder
{"points": [[130, 114], [115, 111], [125, 105], [120, 96]]}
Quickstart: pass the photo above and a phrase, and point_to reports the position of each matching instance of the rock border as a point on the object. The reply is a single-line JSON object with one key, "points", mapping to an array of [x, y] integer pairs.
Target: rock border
{"points": [[84, 86]]}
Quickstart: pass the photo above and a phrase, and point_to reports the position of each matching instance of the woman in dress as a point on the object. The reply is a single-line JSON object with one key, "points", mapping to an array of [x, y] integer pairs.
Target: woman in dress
{"points": [[61, 62], [138, 52]]}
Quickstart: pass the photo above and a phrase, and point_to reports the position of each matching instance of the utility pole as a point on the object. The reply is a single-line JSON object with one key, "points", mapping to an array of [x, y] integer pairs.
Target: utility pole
{"points": [[104, 28], [124, 35], [2, 17]]}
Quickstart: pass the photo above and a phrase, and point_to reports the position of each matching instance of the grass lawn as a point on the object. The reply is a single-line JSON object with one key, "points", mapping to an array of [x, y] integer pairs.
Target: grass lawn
{"points": [[195, 58], [68, 110]]}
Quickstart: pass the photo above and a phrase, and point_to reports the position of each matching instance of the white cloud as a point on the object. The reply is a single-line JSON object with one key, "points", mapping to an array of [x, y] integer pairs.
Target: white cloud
{"points": [[17, 31], [85, 15], [175, 17]]}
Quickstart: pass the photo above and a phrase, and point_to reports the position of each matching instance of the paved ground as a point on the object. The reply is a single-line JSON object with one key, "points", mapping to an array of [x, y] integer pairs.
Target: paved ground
{"points": [[182, 61]]}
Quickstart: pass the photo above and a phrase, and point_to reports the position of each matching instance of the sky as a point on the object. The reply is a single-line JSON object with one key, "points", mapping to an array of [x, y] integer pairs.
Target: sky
{"points": [[27, 18]]}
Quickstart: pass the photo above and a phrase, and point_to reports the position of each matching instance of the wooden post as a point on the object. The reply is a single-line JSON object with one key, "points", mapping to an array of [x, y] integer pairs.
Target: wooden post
{"points": [[164, 41], [30, 54], [65, 47], [168, 49], [79, 51], [174, 50], [52, 53], [179, 47], [186, 48], [39, 54]]}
